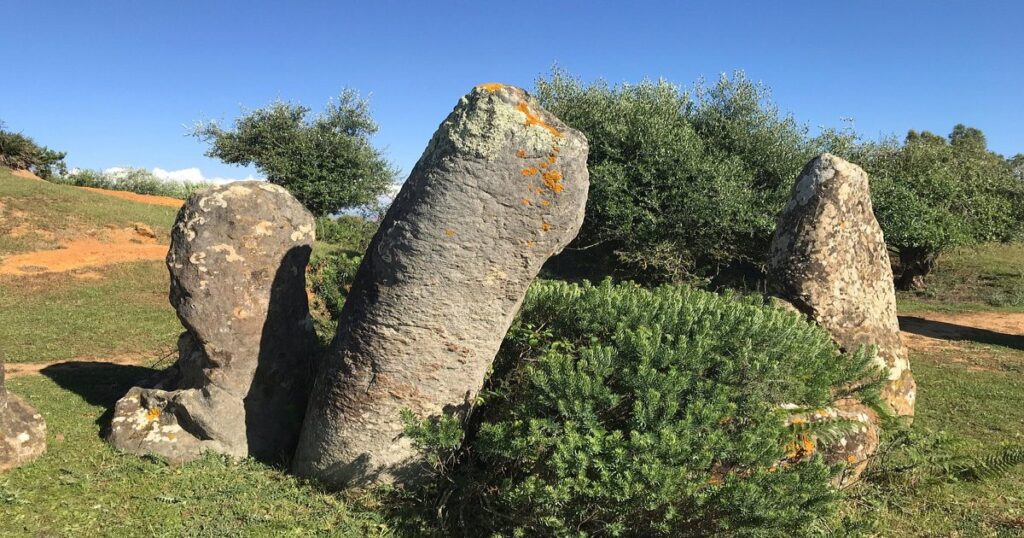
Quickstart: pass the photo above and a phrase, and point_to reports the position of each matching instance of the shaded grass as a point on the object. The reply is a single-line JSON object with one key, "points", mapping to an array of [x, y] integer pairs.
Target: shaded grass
{"points": [[82, 487], [52, 317], [54, 212], [988, 277]]}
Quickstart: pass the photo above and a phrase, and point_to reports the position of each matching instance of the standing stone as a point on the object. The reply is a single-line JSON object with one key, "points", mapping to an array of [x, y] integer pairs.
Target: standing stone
{"points": [[22, 429], [829, 260], [237, 263], [500, 188]]}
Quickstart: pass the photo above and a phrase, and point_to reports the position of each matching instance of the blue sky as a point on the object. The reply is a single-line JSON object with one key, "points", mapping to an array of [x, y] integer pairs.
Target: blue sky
{"points": [[117, 83]]}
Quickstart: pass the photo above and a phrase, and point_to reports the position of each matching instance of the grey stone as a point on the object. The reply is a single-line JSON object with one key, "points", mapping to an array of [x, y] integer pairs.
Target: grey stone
{"points": [[829, 261], [237, 264], [22, 429], [501, 187]]}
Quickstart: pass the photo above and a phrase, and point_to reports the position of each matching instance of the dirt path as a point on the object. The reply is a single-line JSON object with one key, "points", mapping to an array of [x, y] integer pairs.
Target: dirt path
{"points": [[143, 198], [21, 369], [113, 245], [930, 331]]}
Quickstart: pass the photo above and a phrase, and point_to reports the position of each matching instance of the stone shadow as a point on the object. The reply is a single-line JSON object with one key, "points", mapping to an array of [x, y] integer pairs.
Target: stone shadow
{"points": [[98, 383], [950, 331]]}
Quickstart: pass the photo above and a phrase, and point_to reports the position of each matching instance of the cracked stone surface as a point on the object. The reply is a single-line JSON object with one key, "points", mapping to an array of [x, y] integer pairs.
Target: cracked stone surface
{"points": [[500, 188], [22, 429], [829, 261], [237, 264]]}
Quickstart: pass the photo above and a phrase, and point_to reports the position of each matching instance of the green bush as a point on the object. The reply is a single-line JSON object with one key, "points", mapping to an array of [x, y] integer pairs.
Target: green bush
{"points": [[683, 184], [137, 180], [329, 279], [350, 232], [615, 410], [20, 152], [932, 194]]}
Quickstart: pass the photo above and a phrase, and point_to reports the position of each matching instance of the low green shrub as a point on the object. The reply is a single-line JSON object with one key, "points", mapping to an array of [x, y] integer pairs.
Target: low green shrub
{"points": [[20, 152], [329, 278], [615, 410], [137, 180], [350, 232]]}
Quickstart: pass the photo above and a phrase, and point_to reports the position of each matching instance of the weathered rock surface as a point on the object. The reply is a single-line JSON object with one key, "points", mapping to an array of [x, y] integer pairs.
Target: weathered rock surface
{"points": [[500, 188], [829, 260], [22, 429], [237, 263]]}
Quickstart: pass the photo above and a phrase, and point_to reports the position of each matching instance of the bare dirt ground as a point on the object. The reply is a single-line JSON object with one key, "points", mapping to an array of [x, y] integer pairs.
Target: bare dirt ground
{"points": [[932, 331], [144, 198], [25, 174], [108, 246], [21, 369]]}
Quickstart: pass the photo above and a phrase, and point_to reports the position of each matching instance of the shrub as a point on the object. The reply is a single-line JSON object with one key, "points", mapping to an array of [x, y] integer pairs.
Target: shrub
{"points": [[327, 162], [617, 410], [20, 152], [349, 232], [329, 279], [932, 194], [137, 180], [684, 184]]}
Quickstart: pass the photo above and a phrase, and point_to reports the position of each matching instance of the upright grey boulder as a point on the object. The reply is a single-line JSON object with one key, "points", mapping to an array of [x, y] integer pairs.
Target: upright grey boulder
{"points": [[829, 259], [22, 429], [500, 188], [237, 263]]}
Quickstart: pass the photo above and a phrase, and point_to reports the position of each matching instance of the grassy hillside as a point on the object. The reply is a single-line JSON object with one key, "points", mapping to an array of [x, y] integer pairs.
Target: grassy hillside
{"points": [[114, 310]]}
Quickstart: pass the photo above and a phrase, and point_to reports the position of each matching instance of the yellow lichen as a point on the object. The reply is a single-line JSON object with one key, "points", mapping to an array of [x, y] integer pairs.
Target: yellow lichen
{"points": [[545, 227], [851, 458], [526, 201], [531, 171], [533, 119], [490, 86], [521, 154], [529, 244], [152, 414], [543, 165], [545, 203], [553, 180], [552, 158], [449, 232]]}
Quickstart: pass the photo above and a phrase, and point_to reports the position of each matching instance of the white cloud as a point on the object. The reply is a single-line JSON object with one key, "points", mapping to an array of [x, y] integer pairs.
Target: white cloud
{"points": [[194, 175]]}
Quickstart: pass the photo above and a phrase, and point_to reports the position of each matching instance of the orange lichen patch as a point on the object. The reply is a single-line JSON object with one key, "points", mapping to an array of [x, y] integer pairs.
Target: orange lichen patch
{"points": [[142, 198], [553, 180], [531, 171], [552, 158], [545, 203], [800, 447], [152, 414], [521, 154], [450, 232], [526, 201], [533, 119], [490, 86], [114, 246], [851, 459], [545, 227], [543, 165], [530, 244]]}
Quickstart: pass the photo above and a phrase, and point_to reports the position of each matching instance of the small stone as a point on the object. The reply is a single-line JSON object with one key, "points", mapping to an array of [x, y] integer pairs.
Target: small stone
{"points": [[22, 429]]}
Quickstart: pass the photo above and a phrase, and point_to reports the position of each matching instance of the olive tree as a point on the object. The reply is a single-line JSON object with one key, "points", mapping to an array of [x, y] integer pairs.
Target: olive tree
{"points": [[685, 184], [326, 161], [934, 193]]}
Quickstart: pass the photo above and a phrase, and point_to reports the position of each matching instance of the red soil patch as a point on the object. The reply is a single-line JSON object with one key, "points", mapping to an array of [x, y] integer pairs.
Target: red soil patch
{"points": [[929, 331], [112, 246], [143, 198]]}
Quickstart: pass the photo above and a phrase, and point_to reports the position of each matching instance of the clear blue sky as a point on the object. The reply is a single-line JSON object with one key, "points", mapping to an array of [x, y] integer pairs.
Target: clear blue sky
{"points": [[117, 82]]}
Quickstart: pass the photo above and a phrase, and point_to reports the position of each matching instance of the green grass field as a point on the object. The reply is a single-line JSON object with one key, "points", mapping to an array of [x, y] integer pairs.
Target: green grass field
{"points": [[972, 392]]}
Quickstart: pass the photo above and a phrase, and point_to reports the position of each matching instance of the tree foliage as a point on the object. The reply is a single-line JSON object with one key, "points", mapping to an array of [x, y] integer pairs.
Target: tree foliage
{"points": [[618, 410], [20, 152], [934, 193], [683, 183], [326, 161]]}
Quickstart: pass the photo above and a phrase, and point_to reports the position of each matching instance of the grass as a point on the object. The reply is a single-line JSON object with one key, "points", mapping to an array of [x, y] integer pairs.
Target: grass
{"points": [[82, 487], [57, 316], [49, 213], [988, 277]]}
